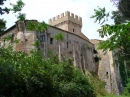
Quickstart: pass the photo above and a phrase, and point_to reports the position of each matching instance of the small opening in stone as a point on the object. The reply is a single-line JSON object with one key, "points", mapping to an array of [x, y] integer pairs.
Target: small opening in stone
{"points": [[106, 73], [51, 40], [73, 30], [67, 44]]}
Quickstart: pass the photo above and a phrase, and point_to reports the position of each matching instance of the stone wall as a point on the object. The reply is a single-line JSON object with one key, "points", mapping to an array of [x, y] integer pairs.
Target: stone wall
{"points": [[12, 31], [25, 38], [73, 47], [106, 69]]}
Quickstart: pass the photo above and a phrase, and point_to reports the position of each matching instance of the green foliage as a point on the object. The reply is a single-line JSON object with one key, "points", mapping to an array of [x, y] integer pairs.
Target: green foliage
{"points": [[15, 8], [126, 91], [21, 17], [2, 25], [59, 37], [3, 10], [37, 26], [16, 40], [124, 8], [123, 72], [18, 6], [118, 18], [37, 43], [7, 10], [123, 11], [99, 86], [8, 37], [100, 15], [70, 82], [23, 75], [119, 40], [119, 36], [111, 95]]}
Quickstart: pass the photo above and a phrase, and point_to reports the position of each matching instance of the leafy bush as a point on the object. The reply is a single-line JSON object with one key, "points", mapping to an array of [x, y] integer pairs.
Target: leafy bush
{"points": [[23, 75], [127, 89]]}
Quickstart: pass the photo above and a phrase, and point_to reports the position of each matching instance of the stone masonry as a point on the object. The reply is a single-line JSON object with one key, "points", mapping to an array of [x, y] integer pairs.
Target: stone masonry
{"points": [[107, 71]]}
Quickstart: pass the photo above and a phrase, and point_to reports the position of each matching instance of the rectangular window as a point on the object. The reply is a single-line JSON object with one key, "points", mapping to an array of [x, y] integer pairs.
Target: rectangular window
{"points": [[67, 44], [51, 40], [73, 30], [43, 38]]}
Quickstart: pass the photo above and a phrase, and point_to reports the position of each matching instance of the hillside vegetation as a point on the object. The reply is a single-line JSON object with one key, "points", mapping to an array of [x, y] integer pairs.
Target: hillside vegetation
{"points": [[23, 75]]}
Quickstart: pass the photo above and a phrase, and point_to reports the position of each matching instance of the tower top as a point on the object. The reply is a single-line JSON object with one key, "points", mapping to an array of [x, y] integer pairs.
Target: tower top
{"points": [[65, 17]]}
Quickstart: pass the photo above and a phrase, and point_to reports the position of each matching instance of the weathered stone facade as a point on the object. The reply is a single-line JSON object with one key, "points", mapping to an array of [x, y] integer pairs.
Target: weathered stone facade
{"points": [[107, 70], [76, 45], [73, 46]]}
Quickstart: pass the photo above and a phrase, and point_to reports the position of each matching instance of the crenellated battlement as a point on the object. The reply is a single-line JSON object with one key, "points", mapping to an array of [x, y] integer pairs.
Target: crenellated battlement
{"points": [[65, 16], [67, 21]]}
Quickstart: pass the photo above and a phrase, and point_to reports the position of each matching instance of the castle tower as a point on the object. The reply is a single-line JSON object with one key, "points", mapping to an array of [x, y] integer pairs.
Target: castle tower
{"points": [[67, 21]]}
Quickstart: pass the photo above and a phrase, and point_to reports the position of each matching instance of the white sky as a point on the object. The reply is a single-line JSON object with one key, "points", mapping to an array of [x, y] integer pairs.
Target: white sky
{"points": [[42, 10]]}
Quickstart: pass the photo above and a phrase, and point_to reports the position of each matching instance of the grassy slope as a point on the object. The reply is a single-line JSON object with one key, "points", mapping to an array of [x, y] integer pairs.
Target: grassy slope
{"points": [[113, 96], [99, 86]]}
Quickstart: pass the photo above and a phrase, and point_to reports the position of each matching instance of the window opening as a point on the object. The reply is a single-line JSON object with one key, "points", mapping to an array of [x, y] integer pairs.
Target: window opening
{"points": [[43, 38], [73, 30], [12, 37], [67, 44], [51, 40]]}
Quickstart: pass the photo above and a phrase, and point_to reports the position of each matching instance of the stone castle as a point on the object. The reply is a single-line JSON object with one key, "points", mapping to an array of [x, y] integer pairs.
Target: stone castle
{"points": [[76, 46]]}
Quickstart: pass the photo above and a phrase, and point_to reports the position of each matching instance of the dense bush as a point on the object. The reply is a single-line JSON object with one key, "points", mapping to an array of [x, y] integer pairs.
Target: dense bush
{"points": [[126, 90], [22, 75]]}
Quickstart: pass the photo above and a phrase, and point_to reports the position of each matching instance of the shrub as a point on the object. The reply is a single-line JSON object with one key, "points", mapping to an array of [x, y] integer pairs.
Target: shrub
{"points": [[126, 90], [23, 75]]}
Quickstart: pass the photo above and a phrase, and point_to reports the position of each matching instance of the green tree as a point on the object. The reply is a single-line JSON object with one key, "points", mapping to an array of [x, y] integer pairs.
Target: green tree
{"points": [[5, 9], [123, 12], [124, 8], [39, 27], [33, 76], [2, 25], [59, 37], [16, 8], [118, 33]]}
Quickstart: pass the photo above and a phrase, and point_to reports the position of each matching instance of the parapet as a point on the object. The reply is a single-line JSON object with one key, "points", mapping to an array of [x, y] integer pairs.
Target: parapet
{"points": [[65, 16]]}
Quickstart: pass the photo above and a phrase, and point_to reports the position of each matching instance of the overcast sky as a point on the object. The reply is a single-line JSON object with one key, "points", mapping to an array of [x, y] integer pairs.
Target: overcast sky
{"points": [[42, 10]]}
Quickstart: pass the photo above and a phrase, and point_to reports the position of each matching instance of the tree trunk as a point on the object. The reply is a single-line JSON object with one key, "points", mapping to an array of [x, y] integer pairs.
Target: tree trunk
{"points": [[74, 56], [126, 69], [46, 44], [44, 49], [60, 52]]}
